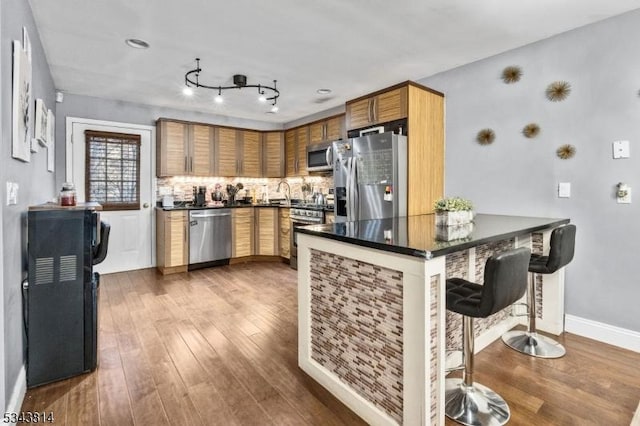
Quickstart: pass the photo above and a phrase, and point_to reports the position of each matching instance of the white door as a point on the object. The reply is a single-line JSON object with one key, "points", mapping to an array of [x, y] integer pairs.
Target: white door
{"points": [[132, 240]]}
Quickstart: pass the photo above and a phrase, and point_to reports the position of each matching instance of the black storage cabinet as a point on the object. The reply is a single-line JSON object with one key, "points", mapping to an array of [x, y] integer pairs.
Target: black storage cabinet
{"points": [[61, 298]]}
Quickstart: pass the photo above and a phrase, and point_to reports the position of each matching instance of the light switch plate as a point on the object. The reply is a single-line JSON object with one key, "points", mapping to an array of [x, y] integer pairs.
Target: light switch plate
{"points": [[621, 149], [12, 193], [564, 190]]}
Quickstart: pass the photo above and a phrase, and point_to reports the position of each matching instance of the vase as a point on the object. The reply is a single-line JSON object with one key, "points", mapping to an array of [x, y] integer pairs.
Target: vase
{"points": [[454, 218]]}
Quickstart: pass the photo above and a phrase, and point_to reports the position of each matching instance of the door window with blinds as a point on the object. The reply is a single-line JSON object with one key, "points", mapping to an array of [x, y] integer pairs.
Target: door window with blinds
{"points": [[112, 176]]}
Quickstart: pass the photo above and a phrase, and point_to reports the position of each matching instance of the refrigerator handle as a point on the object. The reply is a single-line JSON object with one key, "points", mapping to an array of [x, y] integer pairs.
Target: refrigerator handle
{"points": [[348, 189], [354, 180]]}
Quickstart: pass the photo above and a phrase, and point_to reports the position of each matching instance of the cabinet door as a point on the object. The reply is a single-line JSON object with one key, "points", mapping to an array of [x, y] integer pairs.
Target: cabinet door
{"points": [[227, 151], [201, 138], [171, 149], [301, 147], [285, 236], [290, 152], [267, 232], [329, 217], [272, 157], [334, 128], [242, 232], [359, 114], [250, 162], [176, 239], [391, 105], [317, 132]]}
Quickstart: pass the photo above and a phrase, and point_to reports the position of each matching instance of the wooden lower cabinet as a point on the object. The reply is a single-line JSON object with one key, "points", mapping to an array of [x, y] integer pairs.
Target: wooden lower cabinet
{"points": [[285, 233], [267, 231], [329, 217], [172, 245], [242, 232]]}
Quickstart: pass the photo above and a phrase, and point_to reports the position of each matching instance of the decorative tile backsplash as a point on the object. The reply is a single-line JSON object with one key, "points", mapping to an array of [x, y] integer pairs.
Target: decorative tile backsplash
{"points": [[434, 343], [356, 327], [181, 186]]}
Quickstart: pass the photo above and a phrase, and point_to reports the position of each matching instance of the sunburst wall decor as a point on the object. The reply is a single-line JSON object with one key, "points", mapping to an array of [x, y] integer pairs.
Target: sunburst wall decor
{"points": [[566, 151], [558, 91], [486, 136], [531, 130], [511, 74]]}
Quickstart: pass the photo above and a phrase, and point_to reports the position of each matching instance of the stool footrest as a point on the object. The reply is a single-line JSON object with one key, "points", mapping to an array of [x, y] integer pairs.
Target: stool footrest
{"points": [[474, 405], [533, 344]]}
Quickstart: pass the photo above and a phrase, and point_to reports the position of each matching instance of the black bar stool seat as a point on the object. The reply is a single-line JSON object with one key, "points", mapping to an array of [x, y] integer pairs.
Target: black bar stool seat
{"points": [[561, 250], [505, 281]]}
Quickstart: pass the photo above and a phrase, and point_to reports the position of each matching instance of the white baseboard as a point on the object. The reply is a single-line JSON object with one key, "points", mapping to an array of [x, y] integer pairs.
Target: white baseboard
{"points": [[601, 332], [18, 393], [635, 421]]}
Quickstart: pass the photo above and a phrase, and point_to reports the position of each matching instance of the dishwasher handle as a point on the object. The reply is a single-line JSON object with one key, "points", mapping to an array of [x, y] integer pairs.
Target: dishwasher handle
{"points": [[209, 214]]}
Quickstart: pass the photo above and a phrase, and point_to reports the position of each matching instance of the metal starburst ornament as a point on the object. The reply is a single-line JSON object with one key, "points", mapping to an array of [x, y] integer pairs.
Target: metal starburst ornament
{"points": [[558, 91], [485, 136], [531, 130], [511, 74], [566, 151]]}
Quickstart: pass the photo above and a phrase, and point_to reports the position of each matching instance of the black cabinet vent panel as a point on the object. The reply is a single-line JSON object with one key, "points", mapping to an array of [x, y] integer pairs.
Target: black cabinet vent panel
{"points": [[44, 270], [68, 268]]}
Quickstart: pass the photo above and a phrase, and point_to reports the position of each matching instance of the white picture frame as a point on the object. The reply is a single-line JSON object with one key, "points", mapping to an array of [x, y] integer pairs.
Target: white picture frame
{"points": [[41, 128], [51, 141], [21, 104]]}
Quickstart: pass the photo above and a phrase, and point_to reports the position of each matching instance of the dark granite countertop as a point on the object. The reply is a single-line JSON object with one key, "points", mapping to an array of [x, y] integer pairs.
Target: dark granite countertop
{"points": [[181, 206], [418, 235]]}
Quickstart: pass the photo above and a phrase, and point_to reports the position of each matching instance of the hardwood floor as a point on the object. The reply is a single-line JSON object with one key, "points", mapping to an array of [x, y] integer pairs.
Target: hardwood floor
{"points": [[219, 346]]}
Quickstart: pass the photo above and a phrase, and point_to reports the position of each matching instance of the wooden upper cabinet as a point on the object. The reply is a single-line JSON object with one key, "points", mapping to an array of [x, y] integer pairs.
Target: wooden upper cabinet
{"points": [[381, 108], [302, 142], [227, 151], [171, 148], [291, 152], [249, 163], [273, 159], [184, 149], [201, 158], [327, 130]]}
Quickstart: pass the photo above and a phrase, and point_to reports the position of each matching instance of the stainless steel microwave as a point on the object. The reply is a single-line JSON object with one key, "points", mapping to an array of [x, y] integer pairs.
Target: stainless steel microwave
{"points": [[319, 157]]}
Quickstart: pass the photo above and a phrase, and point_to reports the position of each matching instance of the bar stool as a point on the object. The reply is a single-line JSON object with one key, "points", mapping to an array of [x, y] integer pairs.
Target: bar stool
{"points": [[562, 245], [505, 281]]}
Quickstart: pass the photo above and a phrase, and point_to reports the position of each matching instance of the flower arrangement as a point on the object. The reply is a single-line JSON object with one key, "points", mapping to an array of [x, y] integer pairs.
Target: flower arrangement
{"points": [[453, 211], [452, 204]]}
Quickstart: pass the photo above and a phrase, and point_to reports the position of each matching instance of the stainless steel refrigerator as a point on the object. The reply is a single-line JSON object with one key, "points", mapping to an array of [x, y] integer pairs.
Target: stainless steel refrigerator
{"points": [[370, 177]]}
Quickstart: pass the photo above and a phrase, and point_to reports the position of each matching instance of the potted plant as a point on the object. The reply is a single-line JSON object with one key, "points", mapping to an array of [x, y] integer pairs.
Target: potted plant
{"points": [[453, 211]]}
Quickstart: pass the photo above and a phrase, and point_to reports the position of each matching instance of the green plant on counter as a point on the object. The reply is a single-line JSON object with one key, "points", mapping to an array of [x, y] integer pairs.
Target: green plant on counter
{"points": [[452, 204]]}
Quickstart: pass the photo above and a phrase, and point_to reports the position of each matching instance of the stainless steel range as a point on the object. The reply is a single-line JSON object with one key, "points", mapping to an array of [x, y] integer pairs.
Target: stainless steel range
{"points": [[302, 216]]}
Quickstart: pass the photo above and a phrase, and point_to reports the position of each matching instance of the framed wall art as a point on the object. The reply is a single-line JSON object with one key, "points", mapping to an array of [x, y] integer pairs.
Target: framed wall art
{"points": [[51, 141], [21, 102], [41, 128]]}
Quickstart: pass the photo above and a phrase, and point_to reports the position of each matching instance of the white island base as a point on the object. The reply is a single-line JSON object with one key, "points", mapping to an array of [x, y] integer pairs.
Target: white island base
{"points": [[373, 327]]}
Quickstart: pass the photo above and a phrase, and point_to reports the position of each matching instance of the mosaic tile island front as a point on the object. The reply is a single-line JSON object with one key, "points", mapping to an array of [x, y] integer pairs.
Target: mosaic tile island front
{"points": [[373, 328]]}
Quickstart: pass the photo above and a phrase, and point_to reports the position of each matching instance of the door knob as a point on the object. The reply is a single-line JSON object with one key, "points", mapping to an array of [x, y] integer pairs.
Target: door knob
{"points": [[145, 205]]}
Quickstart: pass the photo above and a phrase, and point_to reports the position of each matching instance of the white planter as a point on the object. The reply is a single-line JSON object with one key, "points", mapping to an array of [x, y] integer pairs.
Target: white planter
{"points": [[453, 218]]}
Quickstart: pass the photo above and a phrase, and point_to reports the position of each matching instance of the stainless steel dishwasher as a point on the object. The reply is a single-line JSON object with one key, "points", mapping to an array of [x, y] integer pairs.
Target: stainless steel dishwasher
{"points": [[209, 237]]}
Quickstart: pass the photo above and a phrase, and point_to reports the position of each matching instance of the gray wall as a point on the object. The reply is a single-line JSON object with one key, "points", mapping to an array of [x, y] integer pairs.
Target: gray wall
{"points": [[36, 184], [519, 176], [127, 112]]}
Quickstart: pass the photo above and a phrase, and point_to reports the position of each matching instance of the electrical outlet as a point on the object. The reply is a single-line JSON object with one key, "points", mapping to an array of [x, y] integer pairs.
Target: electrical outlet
{"points": [[621, 149], [623, 195], [12, 193]]}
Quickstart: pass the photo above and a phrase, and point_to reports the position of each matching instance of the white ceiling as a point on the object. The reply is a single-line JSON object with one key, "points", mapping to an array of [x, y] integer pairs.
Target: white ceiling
{"points": [[351, 46]]}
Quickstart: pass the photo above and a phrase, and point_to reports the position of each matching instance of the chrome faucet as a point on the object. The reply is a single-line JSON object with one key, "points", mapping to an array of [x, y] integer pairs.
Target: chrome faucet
{"points": [[287, 195]]}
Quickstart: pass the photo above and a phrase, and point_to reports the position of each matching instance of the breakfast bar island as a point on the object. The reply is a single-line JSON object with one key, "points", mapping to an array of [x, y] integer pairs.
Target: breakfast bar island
{"points": [[373, 328]]}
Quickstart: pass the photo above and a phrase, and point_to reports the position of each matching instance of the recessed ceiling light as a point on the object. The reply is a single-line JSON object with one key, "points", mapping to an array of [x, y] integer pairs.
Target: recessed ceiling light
{"points": [[323, 91], [137, 43]]}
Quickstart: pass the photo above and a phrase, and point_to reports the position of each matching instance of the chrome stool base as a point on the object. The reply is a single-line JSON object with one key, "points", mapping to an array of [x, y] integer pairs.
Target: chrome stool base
{"points": [[475, 405], [533, 344]]}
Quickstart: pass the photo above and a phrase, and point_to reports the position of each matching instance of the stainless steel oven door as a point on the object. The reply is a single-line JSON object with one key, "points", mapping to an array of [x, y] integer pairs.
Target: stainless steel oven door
{"points": [[293, 249]]}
